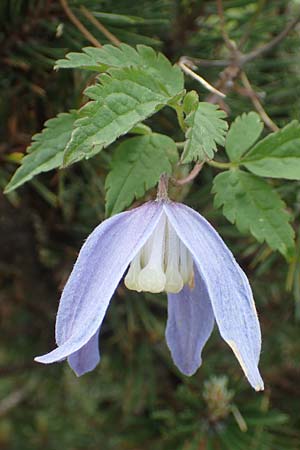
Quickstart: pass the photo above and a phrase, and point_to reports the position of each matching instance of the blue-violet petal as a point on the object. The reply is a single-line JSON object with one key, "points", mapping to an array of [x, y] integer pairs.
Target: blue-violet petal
{"points": [[227, 285], [190, 323], [87, 357], [101, 264]]}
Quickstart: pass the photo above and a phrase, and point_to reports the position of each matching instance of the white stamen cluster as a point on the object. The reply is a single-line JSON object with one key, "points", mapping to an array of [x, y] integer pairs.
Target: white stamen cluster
{"points": [[163, 263]]}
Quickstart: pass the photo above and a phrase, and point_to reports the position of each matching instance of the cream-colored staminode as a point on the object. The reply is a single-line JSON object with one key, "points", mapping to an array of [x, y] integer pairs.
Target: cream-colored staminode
{"points": [[163, 264]]}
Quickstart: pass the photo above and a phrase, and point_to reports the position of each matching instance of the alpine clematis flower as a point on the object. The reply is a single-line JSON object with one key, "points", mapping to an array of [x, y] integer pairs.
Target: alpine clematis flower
{"points": [[168, 247]]}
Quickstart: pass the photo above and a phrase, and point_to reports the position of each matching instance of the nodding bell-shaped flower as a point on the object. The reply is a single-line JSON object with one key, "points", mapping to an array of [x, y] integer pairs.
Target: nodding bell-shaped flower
{"points": [[166, 247]]}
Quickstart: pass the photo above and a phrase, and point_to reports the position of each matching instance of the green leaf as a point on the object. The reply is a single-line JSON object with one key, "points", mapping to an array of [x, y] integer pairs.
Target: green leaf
{"points": [[278, 155], [243, 133], [252, 204], [46, 150], [136, 167], [190, 102], [206, 129], [86, 60], [140, 128], [100, 59], [122, 19], [122, 99]]}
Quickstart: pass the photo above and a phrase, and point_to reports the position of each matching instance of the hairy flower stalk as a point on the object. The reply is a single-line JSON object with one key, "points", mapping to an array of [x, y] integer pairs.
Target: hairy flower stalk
{"points": [[164, 247]]}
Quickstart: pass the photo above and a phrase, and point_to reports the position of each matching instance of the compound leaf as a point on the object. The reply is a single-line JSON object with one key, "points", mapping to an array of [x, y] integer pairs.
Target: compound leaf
{"points": [[101, 59], [253, 205], [122, 99]]}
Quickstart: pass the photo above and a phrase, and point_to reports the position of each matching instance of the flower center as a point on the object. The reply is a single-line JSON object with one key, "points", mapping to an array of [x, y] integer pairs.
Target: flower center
{"points": [[162, 264]]}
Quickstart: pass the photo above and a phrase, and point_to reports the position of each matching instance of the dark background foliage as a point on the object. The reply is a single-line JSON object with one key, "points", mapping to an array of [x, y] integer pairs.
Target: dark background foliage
{"points": [[136, 398]]}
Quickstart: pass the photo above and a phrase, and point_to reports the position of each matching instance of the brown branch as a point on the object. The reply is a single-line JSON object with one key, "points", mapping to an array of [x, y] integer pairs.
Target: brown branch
{"points": [[190, 177], [258, 106], [112, 38], [233, 70], [235, 64], [241, 59], [229, 44], [79, 25], [228, 76], [225, 84], [270, 45]]}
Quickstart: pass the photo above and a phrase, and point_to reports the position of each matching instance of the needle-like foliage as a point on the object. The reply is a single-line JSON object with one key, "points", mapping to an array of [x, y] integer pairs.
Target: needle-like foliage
{"points": [[137, 399]]}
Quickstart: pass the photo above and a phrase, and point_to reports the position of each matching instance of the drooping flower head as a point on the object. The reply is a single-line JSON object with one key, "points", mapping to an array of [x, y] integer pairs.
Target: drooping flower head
{"points": [[166, 247]]}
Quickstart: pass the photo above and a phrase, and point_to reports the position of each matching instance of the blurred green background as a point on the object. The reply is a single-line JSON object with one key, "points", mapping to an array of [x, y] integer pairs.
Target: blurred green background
{"points": [[136, 399]]}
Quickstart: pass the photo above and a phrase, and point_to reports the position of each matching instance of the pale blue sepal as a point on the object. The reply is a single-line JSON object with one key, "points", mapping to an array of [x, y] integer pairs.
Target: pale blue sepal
{"points": [[100, 266], [190, 323], [227, 285], [86, 359]]}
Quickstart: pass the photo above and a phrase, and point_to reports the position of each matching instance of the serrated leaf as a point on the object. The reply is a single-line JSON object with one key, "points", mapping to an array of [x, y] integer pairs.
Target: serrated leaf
{"points": [[100, 59], [136, 167], [87, 60], [278, 155], [206, 129], [122, 99], [46, 150], [243, 133], [253, 205]]}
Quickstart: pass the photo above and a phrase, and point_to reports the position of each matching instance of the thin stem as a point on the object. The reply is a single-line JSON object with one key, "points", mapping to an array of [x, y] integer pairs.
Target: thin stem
{"points": [[112, 38], [201, 80], [180, 144], [258, 106], [162, 190], [239, 418], [294, 266], [79, 25], [219, 165], [190, 177], [291, 275], [191, 61], [180, 117]]}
